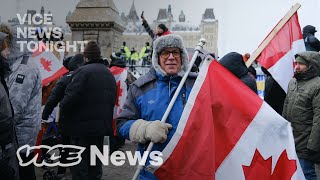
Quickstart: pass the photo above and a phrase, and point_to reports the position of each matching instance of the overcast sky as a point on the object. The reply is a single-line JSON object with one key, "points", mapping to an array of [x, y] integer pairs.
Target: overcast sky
{"points": [[243, 24]]}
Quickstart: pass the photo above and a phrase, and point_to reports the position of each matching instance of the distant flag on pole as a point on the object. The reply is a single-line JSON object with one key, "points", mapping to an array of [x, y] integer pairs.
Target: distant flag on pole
{"points": [[277, 50]]}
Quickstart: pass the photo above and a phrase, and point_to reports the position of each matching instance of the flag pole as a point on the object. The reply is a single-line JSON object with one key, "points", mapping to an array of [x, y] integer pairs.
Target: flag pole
{"points": [[198, 48], [273, 33]]}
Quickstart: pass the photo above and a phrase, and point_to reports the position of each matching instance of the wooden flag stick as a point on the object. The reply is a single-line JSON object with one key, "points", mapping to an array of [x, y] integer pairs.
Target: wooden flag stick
{"points": [[273, 33]]}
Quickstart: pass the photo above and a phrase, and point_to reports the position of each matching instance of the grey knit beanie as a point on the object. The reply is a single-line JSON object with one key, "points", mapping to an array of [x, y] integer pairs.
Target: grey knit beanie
{"points": [[169, 41]]}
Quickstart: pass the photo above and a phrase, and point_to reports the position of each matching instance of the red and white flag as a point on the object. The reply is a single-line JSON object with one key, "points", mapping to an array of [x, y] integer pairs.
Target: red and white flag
{"points": [[50, 67], [227, 132], [120, 75], [278, 56]]}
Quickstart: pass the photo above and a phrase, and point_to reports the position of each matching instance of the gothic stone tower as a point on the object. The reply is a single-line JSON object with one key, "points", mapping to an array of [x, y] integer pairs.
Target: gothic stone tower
{"points": [[97, 20]]}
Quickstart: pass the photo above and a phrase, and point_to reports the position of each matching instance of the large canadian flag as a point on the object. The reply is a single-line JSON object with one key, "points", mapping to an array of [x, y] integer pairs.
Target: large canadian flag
{"points": [[120, 75], [278, 55], [227, 132], [50, 67]]}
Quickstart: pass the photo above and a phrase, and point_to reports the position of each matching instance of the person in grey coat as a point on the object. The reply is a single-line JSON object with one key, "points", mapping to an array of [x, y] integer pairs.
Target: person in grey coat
{"points": [[302, 109], [8, 162], [24, 85]]}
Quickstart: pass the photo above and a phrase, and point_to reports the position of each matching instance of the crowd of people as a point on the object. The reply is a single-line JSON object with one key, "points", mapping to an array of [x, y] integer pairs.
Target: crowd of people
{"points": [[87, 95]]}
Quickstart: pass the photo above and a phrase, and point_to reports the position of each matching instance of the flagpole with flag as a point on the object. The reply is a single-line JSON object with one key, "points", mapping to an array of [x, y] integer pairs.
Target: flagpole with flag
{"points": [[199, 47], [276, 52], [223, 135]]}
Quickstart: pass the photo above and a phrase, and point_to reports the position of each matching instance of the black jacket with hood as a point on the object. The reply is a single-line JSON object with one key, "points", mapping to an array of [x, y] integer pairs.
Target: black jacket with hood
{"points": [[57, 93], [234, 63], [89, 99]]}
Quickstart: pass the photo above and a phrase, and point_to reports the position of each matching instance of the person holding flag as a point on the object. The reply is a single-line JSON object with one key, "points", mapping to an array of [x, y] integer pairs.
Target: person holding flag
{"points": [[302, 109], [149, 96]]}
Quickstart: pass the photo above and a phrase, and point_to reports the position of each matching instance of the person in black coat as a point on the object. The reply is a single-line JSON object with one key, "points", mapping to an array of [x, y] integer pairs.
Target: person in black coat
{"points": [[57, 93], [235, 64], [87, 108], [311, 42], [56, 96]]}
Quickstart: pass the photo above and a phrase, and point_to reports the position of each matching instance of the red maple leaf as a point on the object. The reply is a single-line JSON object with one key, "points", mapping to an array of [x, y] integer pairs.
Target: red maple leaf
{"points": [[262, 168], [46, 64], [119, 93]]}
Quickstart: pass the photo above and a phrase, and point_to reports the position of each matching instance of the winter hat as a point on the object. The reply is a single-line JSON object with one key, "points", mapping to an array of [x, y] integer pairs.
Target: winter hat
{"points": [[75, 62], [116, 60], [163, 27], [92, 51], [308, 29], [169, 41], [302, 60], [2, 40], [66, 62], [234, 62]]}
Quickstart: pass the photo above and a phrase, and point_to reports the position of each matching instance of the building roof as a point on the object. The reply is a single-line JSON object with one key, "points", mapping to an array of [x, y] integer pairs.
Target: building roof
{"points": [[208, 14], [133, 13], [182, 17], [184, 26], [162, 14], [95, 14], [95, 11]]}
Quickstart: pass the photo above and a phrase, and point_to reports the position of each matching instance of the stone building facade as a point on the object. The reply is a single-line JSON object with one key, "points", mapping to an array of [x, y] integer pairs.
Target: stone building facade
{"points": [[135, 35], [97, 20]]}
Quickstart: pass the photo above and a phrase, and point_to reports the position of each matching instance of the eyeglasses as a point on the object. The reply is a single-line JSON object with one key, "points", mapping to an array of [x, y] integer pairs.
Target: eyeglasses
{"points": [[165, 54]]}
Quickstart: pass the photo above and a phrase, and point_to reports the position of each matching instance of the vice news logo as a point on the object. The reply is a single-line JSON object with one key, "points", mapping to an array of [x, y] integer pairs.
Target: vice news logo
{"points": [[117, 158], [40, 27]]}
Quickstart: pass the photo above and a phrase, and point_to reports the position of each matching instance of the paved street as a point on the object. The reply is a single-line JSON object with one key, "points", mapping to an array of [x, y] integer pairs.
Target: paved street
{"points": [[110, 172]]}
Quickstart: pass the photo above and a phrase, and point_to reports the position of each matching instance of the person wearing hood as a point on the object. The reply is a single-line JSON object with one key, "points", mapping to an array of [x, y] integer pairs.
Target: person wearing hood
{"points": [[236, 65], [24, 85], [87, 109], [310, 41], [302, 109], [8, 162], [149, 96]]}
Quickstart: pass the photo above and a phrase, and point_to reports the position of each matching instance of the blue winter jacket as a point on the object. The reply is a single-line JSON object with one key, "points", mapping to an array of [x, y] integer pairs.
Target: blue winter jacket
{"points": [[148, 99]]}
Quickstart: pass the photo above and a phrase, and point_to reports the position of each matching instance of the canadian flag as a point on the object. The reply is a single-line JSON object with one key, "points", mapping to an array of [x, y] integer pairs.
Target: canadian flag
{"points": [[120, 75], [227, 132], [278, 55], [50, 67]]}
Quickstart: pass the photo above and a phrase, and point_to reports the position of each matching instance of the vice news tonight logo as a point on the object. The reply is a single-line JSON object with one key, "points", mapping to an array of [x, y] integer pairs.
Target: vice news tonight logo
{"points": [[40, 26]]}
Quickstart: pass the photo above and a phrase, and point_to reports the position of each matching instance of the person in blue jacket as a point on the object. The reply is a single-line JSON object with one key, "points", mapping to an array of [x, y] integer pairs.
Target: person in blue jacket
{"points": [[149, 96]]}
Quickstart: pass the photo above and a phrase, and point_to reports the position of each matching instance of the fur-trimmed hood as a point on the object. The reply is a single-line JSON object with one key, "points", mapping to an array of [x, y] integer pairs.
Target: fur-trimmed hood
{"points": [[169, 41]]}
